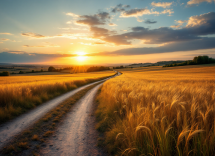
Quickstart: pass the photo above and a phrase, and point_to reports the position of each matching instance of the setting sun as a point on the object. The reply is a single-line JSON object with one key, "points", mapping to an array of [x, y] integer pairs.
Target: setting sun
{"points": [[80, 56]]}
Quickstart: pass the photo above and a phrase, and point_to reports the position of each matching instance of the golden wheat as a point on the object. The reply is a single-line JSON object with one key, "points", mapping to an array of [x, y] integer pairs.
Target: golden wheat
{"points": [[20, 93], [159, 111]]}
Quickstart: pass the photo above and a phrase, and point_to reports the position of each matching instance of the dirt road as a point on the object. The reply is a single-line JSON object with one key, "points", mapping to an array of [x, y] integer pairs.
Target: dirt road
{"points": [[77, 135], [14, 127]]}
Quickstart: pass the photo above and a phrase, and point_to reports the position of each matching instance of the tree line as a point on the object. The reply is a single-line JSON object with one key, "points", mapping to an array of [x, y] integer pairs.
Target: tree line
{"points": [[94, 69], [5, 73], [53, 69], [196, 60]]}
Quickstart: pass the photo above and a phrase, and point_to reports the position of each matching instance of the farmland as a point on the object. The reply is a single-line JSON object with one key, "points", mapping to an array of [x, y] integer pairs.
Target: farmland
{"points": [[21, 93], [159, 111]]}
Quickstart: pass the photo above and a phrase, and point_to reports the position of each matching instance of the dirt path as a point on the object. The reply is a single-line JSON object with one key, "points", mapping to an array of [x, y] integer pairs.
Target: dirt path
{"points": [[14, 127], [77, 135]]}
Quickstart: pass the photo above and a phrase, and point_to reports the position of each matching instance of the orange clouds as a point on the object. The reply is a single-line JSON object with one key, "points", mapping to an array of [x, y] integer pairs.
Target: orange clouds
{"points": [[46, 45], [6, 34], [191, 2], [200, 20], [162, 4], [33, 35]]}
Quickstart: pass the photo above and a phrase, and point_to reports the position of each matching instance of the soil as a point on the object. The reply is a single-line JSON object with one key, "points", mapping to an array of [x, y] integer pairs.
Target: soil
{"points": [[76, 136]]}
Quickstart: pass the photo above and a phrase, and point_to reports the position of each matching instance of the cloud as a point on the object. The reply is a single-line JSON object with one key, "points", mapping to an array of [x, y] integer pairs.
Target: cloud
{"points": [[24, 57], [92, 20], [192, 2], [27, 46], [175, 26], [148, 21], [144, 11], [119, 8], [89, 44], [33, 35], [103, 15], [98, 43], [137, 12], [63, 35], [179, 23], [46, 45], [196, 26], [112, 24], [168, 11], [162, 4], [207, 19], [200, 44], [6, 34], [99, 32], [118, 39], [72, 14], [4, 39]]}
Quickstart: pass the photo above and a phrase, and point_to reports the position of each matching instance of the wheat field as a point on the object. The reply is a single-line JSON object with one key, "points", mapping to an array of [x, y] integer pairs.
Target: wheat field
{"points": [[157, 111], [21, 93]]}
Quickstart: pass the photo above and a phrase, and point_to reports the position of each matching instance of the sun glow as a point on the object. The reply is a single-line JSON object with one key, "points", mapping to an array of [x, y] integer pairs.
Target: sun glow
{"points": [[81, 53], [80, 56]]}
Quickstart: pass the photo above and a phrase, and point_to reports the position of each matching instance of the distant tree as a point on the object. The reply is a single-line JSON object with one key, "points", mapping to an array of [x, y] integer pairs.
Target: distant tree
{"points": [[21, 72], [32, 71], [41, 70], [51, 69], [196, 60]]}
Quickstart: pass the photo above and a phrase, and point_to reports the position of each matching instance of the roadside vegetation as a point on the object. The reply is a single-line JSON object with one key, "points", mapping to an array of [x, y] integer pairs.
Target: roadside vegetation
{"points": [[159, 111], [195, 61], [21, 93], [30, 140]]}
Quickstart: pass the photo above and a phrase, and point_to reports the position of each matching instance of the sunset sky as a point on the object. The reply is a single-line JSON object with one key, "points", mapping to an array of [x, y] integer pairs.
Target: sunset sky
{"points": [[105, 32]]}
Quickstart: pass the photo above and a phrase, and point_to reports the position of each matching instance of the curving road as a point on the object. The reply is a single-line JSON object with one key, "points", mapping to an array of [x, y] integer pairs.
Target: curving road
{"points": [[14, 127], [77, 135]]}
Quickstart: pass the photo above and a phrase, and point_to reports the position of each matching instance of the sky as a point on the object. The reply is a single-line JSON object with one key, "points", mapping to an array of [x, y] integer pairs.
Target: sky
{"points": [[105, 32]]}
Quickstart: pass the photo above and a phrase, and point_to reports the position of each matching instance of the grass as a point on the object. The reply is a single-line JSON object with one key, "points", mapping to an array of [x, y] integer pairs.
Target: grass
{"points": [[155, 111], [30, 141], [21, 93]]}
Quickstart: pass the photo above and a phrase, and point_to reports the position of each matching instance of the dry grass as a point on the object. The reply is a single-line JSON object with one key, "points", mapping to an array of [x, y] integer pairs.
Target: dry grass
{"points": [[21, 93], [159, 111]]}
